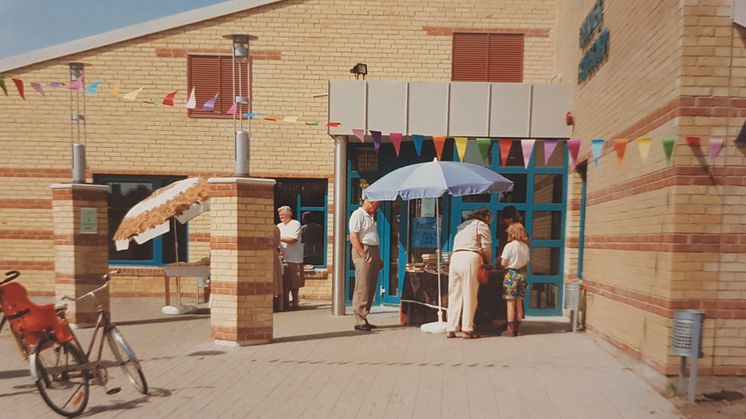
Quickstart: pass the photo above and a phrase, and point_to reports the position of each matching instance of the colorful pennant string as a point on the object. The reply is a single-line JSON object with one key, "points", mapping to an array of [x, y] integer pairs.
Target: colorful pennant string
{"points": [[668, 144], [149, 101], [574, 146], [505, 151], [597, 146], [115, 91], [37, 88], [252, 115], [55, 84], [461, 147], [77, 84], [192, 101], [133, 94], [692, 140], [439, 141], [232, 109], [312, 122], [484, 145], [643, 146], [333, 124], [376, 140], [396, 141], [528, 148], [418, 140], [716, 145], [19, 86], [168, 100], [91, 90], [359, 133], [549, 146], [209, 106], [2, 86]]}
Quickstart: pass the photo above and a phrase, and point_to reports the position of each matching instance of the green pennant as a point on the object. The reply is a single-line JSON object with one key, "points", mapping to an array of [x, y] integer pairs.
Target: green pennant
{"points": [[2, 86], [484, 147], [668, 144]]}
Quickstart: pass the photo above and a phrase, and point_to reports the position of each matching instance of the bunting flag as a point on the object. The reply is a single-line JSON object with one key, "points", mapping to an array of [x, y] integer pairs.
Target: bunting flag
{"points": [[549, 146], [574, 145], [273, 118], [668, 144], [252, 115], [77, 84], [115, 91], [741, 137], [528, 148], [439, 141], [192, 101], [418, 140], [2, 86], [692, 140], [307, 122], [597, 146], [461, 147], [91, 90], [333, 124], [376, 140], [209, 106], [19, 86], [643, 145], [150, 101], [169, 99], [292, 118], [505, 151], [396, 141], [484, 148], [232, 109], [38, 89], [716, 144], [620, 144], [55, 84], [133, 94], [359, 133]]}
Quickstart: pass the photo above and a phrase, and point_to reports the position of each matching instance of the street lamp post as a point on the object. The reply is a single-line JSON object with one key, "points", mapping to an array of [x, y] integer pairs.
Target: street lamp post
{"points": [[241, 53]]}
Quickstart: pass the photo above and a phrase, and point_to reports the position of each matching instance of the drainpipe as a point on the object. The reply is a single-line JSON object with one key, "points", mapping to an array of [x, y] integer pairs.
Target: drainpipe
{"points": [[340, 223]]}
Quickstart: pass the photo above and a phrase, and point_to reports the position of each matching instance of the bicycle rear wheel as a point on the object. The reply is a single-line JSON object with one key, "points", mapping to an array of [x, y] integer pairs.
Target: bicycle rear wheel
{"points": [[59, 377], [127, 359]]}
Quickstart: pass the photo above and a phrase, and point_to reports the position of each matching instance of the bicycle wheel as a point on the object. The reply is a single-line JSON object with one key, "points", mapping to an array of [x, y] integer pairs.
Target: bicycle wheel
{"points": [[59, 377], [127, 360]]}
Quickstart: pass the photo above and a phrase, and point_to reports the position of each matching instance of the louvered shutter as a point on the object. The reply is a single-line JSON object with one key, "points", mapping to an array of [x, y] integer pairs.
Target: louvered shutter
{"points": [[487, 57], [210, 74], [505, 58], [469, 61]]}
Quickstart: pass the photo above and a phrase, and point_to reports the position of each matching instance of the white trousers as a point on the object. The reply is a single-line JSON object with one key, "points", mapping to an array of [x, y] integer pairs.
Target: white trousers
{"points": [[462, 290]]}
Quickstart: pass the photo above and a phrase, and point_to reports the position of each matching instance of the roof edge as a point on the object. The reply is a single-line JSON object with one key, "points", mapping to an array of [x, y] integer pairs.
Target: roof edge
{"points": [[129, 32]]}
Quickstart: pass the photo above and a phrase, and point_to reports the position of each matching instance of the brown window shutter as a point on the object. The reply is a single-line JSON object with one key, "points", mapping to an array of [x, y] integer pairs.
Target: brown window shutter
{"points": [[210, 74], [487, 57], [505, 58]]}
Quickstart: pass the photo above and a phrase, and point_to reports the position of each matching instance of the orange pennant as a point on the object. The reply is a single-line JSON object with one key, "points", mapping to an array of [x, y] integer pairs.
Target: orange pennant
{"points": [[19, 86], [439, 141], [620, 144], [505, 146], [169, 99]]}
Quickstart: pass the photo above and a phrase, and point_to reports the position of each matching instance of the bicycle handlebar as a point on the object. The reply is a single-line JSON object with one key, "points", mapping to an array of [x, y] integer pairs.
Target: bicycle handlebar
{"points": [[92, 293], [9, 276]]}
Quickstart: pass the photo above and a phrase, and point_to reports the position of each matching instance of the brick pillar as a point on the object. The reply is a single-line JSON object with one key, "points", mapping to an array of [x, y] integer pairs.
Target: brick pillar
{"points": [[81, 246], [241, 259]]}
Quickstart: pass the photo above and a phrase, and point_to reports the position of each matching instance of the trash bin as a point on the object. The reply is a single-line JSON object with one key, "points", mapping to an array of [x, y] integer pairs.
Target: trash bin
{"points": [[686, 341]]}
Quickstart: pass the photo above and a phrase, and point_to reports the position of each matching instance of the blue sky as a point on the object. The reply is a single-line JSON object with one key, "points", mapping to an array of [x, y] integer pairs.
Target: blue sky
{"points": [[28, 25]]}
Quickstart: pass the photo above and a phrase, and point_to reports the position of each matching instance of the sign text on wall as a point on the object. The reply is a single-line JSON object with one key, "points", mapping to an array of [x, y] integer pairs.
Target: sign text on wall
{"points": [[599, 48]]}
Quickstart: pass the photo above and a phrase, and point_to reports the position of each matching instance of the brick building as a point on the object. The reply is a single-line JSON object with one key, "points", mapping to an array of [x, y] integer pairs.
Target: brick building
{"points": [[647, 238]]}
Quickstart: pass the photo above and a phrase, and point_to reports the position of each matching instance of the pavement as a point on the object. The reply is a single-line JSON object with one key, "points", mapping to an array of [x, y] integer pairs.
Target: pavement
{"points": [[318, 367]]}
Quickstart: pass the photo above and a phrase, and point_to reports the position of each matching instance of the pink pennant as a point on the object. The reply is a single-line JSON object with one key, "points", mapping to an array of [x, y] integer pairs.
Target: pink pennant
{"points": [[232, 110], [549, 146], [359, 133], [209, 106], [574, 146], [716, 145], [396, 141], [37, 87], [77, 84], [528, 148], [55, 84]]}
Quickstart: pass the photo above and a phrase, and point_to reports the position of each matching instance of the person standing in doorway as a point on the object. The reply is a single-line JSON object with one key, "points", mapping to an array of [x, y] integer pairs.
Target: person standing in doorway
{"points": [[292, 250], [514, 259], [472, 246], [367, 260]]}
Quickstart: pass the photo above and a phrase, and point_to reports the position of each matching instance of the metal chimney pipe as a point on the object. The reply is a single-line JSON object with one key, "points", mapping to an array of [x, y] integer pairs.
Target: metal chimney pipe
{"points": [[78, 163], [242, 154]]}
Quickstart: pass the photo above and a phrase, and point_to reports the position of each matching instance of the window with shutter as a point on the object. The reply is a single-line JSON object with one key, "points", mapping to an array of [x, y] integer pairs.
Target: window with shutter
{"points": [[487, 57], [211, 74]]}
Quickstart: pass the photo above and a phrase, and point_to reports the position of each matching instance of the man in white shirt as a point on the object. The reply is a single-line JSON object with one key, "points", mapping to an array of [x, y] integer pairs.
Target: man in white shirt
{"points": [[367, 260], [292, 251]]}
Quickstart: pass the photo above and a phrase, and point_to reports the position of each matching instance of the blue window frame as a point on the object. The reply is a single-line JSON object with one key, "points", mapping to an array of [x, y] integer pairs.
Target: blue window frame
{"points": [[308, 200], [127, 191]]}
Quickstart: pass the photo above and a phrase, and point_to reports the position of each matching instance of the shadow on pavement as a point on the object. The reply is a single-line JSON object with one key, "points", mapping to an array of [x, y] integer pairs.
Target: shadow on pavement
{"points": [[165, 319], [129, 404], [14, 374]]}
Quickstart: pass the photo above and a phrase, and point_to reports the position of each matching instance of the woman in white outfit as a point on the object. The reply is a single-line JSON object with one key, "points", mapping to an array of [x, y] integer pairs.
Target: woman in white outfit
{"points": [[471, 248]]}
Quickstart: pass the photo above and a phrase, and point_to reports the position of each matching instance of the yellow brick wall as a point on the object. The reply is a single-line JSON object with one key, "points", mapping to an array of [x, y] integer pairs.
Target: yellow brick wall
{"points": [[316, 40]]}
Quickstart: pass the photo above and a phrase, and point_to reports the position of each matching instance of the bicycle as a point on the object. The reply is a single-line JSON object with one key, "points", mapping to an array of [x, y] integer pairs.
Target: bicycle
{"points": [[61, 370]]}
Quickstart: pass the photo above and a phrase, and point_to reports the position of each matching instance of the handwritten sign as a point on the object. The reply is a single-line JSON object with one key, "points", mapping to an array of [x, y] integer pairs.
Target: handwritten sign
{"points": [[424, 232]]}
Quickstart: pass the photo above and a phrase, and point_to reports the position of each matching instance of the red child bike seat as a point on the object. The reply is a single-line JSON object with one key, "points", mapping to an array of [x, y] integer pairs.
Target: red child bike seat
{"points": [[31, 321]]}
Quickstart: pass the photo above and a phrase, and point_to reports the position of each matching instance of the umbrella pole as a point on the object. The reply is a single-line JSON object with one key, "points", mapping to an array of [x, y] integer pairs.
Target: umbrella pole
{"points": [[178, 267], [437, 252]]}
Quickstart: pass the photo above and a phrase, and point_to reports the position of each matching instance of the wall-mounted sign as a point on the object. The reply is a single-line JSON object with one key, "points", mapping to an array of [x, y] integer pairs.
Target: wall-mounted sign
{"points": [[594, 54], [88, 221]]}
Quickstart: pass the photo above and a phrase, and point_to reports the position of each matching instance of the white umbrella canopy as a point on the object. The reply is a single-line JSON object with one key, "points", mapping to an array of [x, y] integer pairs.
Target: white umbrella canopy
{"points": [[150, 218]]}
